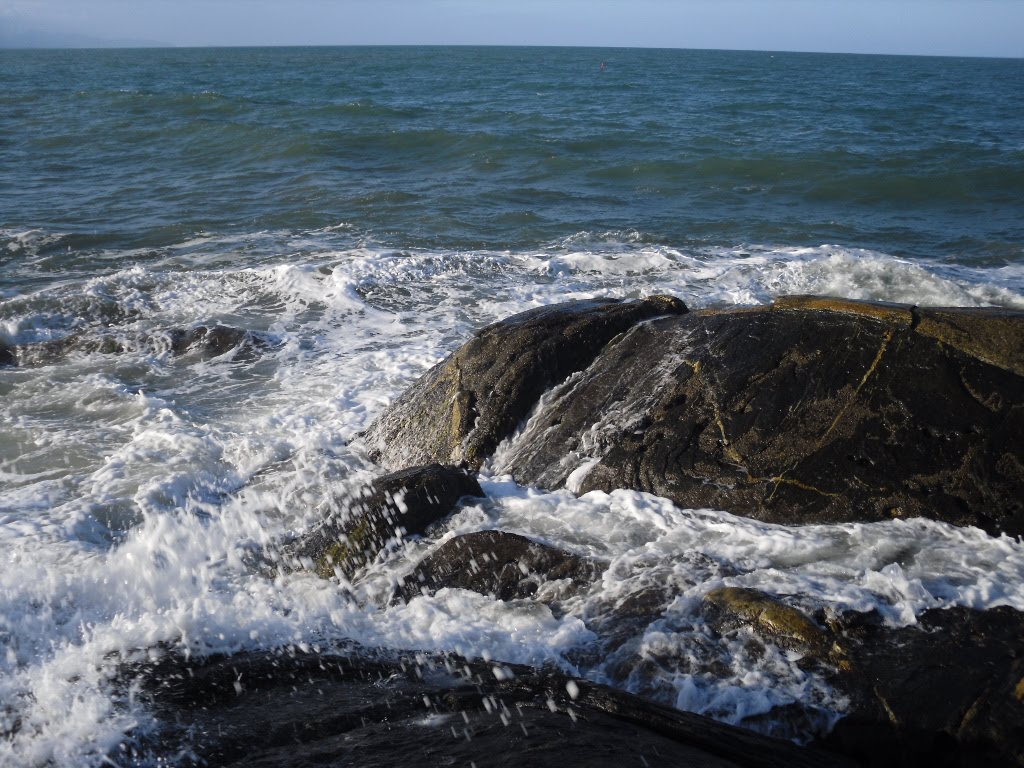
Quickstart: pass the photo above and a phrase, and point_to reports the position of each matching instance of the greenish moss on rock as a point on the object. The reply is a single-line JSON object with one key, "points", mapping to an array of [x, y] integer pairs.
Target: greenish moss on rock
{"points": [[729, 607]]}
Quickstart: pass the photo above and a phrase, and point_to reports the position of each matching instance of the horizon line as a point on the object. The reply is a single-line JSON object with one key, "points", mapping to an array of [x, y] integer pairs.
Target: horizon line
{"points": [[241, 46]]}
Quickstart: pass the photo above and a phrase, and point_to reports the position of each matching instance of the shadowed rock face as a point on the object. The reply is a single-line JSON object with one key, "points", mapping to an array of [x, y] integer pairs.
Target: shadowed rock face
{"points": [[406, 502], [497, 563], [464, 407], [366, 709], [810, 410], [948, 692]]}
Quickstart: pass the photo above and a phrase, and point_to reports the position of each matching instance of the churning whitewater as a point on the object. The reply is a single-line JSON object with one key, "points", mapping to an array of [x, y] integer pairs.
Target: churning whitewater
{"points": [[142, 487]]}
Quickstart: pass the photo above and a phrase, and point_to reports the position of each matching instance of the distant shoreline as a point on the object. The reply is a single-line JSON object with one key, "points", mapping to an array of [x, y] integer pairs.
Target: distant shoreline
{"points": [[99, 45]]}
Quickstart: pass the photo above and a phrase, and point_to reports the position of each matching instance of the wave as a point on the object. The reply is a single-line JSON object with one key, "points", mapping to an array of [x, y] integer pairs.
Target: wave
{"points": [[138, 484]]}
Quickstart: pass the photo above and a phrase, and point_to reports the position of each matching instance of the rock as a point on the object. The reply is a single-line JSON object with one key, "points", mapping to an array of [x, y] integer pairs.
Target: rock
{"points": [[55, 350], [209, 342], [206, 341], [497, 563], [6, 356], [947, 692], [729, 607], [811, 410], [465, 406], [401, 503], [354, 706]]}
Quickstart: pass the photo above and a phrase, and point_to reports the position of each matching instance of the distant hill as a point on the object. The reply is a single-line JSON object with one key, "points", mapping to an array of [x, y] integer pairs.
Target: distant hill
{"points": [[17, 34]]}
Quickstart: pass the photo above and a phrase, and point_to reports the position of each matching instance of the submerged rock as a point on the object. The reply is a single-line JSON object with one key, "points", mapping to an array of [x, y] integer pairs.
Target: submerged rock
{"points": [[465, 406], [498, 563], [729, 607], [357, 707], [207, 342], [393, 505], [210, 342], [810, 410], [55, 350]]}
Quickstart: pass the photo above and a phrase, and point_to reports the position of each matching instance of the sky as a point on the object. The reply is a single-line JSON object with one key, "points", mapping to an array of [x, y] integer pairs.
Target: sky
{"points": [[929, 27]]}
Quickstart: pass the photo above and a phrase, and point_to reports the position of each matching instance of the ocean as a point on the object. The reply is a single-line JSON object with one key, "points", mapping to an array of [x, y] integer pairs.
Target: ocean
{"points": [[359, 213]]}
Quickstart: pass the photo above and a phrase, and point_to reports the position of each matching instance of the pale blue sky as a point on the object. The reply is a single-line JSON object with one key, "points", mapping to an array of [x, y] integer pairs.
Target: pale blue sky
{"points": [[943, 27]]}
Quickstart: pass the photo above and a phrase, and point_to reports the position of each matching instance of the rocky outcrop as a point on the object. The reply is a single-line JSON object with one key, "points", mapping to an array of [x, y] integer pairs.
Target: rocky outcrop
{"points": [[206, 342], [464, 407], [809, 410], [812, 410], [356, 707], [360, 525], [505, 565], [948, 691]]}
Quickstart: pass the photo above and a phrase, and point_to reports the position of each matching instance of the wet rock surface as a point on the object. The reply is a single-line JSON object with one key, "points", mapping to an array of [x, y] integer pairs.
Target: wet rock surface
{"points": [[948, 692], [465, 406], [730, 607], [801, 414], [810, 410], [357, 707], [813, 410], [498, 563], [404, 503]]}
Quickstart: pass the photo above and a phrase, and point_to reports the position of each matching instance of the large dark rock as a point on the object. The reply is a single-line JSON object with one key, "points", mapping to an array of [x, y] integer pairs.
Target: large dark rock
{"points": [[946, 692], [810, 410], [505, 565], [355, 707], [822, 412], [394, 505], [464, 407], [7, 357]]}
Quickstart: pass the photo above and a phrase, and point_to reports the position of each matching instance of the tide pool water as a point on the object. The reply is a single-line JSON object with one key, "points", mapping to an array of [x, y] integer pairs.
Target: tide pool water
{"points": [[361, 212]]}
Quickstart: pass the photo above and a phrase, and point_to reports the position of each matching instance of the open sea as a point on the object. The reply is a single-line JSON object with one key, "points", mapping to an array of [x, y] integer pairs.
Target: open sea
{"points": [[360, 212]]}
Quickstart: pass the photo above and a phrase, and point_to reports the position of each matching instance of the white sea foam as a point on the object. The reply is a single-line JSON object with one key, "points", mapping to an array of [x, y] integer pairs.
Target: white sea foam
{"points": [[134, 487]]}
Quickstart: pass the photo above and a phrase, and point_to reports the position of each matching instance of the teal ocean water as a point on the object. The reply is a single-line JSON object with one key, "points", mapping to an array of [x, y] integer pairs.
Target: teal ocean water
{"points": [[506, 148], [356, 213]]}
